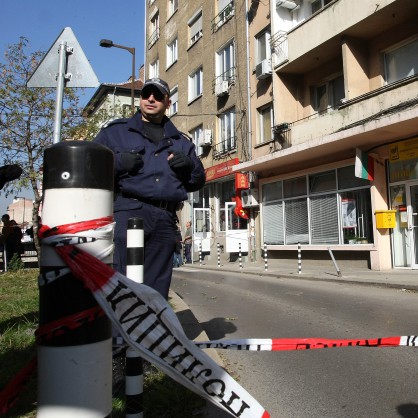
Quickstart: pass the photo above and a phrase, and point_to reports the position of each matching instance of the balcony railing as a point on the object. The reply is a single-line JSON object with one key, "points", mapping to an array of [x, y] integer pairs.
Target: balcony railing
{"points": [[279, 48], [223, 16], [153, 38], [224, 147], [228, 76]]}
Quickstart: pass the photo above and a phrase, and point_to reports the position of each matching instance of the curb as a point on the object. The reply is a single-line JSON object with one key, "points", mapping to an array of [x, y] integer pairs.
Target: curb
{"points": [[191, 326]]}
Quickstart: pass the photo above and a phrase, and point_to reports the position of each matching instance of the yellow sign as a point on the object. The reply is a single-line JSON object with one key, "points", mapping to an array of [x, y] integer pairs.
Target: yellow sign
{"points": [[405, 150]]}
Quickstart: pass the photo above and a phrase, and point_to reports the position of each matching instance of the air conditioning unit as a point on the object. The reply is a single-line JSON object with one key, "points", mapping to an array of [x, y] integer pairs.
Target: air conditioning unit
{"points": [[249, 198], [263, 69], [207, 138], [221, 88], [286, 4]]}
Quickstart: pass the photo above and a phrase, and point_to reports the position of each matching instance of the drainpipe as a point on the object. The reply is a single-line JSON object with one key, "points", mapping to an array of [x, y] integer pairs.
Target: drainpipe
{"points": [[248, 84]]}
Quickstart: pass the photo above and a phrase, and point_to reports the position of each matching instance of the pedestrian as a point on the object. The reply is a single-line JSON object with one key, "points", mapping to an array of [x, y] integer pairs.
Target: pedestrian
{"points": [[11, 239], [155, 167], [188, 240], [178, 259]]}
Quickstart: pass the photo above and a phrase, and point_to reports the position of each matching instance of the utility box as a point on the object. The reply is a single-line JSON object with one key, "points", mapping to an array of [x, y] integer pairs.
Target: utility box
{"points": [[385, 219]]}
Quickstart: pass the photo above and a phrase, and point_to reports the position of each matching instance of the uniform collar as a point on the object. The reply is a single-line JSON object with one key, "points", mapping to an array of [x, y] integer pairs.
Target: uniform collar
{"points": [[137, 124]]}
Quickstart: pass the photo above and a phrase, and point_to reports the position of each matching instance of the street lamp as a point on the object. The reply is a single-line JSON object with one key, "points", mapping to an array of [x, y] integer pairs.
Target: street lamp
{"points": [[107, 43]]}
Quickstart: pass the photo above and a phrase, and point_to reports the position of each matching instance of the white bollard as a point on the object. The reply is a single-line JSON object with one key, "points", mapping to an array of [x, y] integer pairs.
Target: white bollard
{"points": [[240, 256], [219, 255], [75, 367], [265, 258], [299, 258], [134, 377]]}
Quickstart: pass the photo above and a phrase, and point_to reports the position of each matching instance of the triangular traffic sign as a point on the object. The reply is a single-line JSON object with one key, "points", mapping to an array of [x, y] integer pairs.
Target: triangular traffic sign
{"points": [[82, 74]]}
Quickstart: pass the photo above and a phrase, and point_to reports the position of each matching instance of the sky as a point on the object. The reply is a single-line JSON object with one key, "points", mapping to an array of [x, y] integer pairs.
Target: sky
{"points": [[42, 21]]}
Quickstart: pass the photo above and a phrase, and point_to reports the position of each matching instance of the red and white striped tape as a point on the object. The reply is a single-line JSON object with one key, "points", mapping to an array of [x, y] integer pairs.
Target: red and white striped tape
{"points": [[282, 344]]}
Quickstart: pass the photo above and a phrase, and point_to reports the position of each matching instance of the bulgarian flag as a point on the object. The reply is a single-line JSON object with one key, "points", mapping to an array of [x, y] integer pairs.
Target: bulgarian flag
{"points": [[364, 167]]}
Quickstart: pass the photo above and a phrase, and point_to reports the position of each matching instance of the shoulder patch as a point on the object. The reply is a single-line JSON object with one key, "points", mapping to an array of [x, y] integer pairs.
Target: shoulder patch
{"points": [[115, 122], [185, 136]]}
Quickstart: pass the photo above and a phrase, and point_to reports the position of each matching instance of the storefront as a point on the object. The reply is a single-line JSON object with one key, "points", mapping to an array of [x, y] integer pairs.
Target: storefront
{"points": [[403, 178]]}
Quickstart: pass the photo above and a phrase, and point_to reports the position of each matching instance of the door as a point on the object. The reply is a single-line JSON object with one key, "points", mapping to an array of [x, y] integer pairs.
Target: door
{"points": [[236, 230], [412, 214], [201, 230]]}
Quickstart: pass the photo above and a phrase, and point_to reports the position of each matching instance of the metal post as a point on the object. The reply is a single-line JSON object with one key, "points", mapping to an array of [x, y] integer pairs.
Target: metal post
{"points": [[200, 252], [134, 377], [299, 258], [335, 263], [265, 258], [219, 255], [240, 257]]}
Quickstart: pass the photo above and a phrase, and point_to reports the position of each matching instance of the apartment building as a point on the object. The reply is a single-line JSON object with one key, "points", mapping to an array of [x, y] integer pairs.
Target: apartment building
{"points": [[331, 84], [200, 49]]}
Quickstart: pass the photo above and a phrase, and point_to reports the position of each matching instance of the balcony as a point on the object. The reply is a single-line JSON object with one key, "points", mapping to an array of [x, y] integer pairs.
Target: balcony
{"points": [[317, 40], [223, 16], [279, 48], [224, 147], [153, 38]]}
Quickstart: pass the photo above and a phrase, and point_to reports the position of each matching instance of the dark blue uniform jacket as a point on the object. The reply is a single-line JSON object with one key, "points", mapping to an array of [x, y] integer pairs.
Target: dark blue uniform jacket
{"points": [[156, 179]]}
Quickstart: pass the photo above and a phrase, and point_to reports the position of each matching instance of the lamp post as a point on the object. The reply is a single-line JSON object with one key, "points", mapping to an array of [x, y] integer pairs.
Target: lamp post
{"points": [[107, 43], [24, 206]]}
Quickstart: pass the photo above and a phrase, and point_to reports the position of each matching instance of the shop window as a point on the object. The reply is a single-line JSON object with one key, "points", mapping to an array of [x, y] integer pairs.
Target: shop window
{"points": [[321, 211], [401, 62], [227, 192], [296, 218]]}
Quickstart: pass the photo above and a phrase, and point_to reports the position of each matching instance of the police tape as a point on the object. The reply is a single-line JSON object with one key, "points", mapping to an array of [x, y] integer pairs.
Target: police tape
{"points": [[148, 324], [282, 344]]}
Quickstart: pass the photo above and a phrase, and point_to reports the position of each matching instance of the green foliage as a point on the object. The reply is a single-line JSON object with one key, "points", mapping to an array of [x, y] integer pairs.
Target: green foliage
{"points": [[16, 263], [18, 321]]}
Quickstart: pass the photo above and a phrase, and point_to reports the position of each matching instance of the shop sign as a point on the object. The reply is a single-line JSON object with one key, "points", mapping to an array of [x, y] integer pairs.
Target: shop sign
{"points": [[403, 159], [241, 181], [221, 170]]}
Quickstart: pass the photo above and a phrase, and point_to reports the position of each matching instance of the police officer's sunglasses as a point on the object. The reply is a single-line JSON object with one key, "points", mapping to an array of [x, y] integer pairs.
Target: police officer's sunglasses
{"points": [[158, 96]]}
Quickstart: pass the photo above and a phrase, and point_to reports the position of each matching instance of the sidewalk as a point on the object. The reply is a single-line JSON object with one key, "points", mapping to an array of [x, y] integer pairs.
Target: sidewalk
{"points": [[321, 270]]}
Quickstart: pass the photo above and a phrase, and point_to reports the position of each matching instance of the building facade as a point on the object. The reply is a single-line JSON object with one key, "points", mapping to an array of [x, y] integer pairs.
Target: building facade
{"points": [[324, 94]]}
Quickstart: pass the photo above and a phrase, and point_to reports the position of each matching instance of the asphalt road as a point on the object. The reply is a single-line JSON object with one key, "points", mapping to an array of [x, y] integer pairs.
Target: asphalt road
{"points": [[338, 382]]}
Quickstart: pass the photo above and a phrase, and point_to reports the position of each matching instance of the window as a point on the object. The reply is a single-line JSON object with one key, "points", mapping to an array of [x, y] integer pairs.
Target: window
{"points": [[319, 4], [328, 94], [225, 12], [264, 126], [154, 69], [401, 62], [225, 63], [172, 53], [195, 27], [262, 44], [172, 6], [154, 29], [197, 136], [332, 207], [195, 84], [226, 132], [227, 192], [174, 97]]}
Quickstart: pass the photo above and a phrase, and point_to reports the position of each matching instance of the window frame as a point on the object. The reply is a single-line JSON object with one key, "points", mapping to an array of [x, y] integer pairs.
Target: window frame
{"points": [[174, 97], [226, 129], [260, 139], [172, 7], [330, 89], [154, 69], [225, 72], [197, 137], [195, 84], [262, 46], [194, 20], [172, 52]]}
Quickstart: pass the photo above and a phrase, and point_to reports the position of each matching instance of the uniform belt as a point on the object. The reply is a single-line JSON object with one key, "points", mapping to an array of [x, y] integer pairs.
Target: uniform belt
{"points": [[162, 204]]}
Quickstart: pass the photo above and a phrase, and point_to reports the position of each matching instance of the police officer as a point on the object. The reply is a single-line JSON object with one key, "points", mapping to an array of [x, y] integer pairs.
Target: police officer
{"points": [[155, 167]]}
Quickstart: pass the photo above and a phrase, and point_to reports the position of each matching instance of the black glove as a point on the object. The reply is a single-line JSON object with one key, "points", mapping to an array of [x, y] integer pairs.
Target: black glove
{"points": [[180, 162], [131, 162]]}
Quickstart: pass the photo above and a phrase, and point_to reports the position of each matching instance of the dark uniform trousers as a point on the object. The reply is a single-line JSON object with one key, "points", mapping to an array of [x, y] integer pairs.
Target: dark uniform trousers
{"points": [[159, 244]]}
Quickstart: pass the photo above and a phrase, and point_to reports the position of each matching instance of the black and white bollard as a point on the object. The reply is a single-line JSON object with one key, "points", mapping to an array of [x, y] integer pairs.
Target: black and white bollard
{"points": [[74, 367], [240, 256], [265, 258], [200, 253], [134, 377], [299, 258], [219, 255]]}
